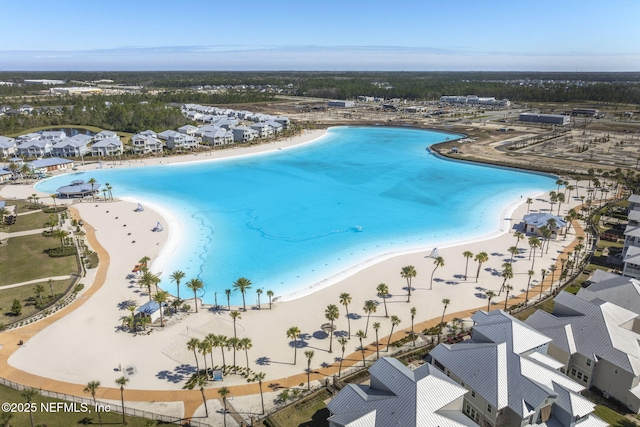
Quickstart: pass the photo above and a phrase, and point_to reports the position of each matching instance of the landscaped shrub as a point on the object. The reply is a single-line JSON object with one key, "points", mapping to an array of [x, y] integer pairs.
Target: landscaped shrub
{"points": [[61, 252], [78, 288]]}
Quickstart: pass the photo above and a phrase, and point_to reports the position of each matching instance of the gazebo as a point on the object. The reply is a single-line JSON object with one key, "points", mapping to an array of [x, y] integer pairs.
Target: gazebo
{"points": [[77, 190]]}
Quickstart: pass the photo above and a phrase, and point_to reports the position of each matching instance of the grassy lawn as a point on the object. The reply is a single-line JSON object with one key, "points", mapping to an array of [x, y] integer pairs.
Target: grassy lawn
{"points": [[610, 416], [27, 296], [311, 413], [32, 221], [547, 306], [22, 259], [62, 418]]}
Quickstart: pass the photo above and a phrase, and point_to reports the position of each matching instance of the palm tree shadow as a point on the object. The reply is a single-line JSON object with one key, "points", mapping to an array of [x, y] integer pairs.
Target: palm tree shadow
{"points": [[298, 344], [124, 305], [263, 361], [481, 296], [305, 337], [340, 334], [354, 316]]}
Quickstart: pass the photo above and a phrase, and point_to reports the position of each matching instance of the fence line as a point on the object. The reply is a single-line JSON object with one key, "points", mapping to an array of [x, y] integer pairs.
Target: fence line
{"points": [[133, 412]]}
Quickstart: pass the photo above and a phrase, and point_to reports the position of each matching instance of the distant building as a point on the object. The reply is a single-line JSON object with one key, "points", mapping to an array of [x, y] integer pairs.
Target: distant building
{"points": [[585, 112], [341, 104], [44, 82], [474, 100], [552, 119]]}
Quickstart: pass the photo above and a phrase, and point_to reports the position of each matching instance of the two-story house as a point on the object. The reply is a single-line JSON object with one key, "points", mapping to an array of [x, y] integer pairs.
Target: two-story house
{"points": [[597, 342], [512, 382]]}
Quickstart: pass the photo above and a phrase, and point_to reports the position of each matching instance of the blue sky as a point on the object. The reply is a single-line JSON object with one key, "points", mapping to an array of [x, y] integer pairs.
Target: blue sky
{"points": [[403, 35]]}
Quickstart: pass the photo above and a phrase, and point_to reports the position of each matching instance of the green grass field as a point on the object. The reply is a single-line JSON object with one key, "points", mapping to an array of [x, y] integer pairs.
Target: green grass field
{"points": [[23, 259], [62, 418], [311, 413], [27, 296]]}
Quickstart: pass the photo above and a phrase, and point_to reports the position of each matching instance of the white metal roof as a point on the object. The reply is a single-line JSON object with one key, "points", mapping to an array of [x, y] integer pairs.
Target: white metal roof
{"points": [[620, 290]]}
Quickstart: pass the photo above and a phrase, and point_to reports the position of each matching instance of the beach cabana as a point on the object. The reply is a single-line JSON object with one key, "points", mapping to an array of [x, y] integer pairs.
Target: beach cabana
{"points": [[533, 222], [151, 310], [77, 190]]}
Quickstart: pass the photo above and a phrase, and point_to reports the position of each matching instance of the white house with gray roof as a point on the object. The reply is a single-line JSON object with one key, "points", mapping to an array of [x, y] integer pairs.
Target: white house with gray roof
{"points": [[7, 146], [619, 290], [35, 148], [105, 134], [145, 143], [398, 396], [217, 137], [534, 221], [598, 343], [243, 134], [53, 135], [511, 379], [76, 146], [631, 249], [107, 147]]}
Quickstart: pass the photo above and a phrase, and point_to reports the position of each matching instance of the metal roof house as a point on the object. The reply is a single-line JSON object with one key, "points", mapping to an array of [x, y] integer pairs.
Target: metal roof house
{"points": [[50, 164], [107, 147], [598, 342], [511, 379], [7, 146], [619, 290], [35, 148], [398, 396], [151, 310], [76, 146], [533, 222]]}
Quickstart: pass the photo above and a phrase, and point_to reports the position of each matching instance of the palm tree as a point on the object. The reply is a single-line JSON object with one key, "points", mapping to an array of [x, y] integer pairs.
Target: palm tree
{"points": [[519, 236], [294, 333], [54, 196], [513, 250], [408, 272], [205, 347], [481, 258], [221, 341], [259, 377], [92, 182], [331, 313], [369, 307], [122, 381], [195, 285], [161, 298], [109, 188], [467, 255], [28, 394], [233, 343], [39, 290], [194, 344], [201, 382], [224, 392], [490, 295], [213, 343], [560, 201], [246, 345], [143, 262], [343, 344], [309, 356], [413, 315], [60, 234], [148, 279], [345, 299], [382, 292], [395, 321], [529, 201], [439, 262], [360, 334], [530, 273], [242, 285], [259, 292], [91, 388], [507, 289], [507, 274], [227, 292], [446, 303], [235, 315], [270, 295], [376, 327], [50, 283], [553, 269], [177, 276], [543, 273], [534, 243]]}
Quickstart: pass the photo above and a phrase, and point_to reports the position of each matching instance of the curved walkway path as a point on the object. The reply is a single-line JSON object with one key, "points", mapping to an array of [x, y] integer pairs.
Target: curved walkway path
{"points": [[192, 399]]}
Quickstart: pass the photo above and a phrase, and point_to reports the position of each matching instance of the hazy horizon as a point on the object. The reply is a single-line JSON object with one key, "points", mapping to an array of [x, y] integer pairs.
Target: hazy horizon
{"points": [[464, 35]]}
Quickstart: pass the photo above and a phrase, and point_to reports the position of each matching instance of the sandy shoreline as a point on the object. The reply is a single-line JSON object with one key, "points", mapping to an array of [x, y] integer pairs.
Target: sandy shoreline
{"points": [[161, 359]]}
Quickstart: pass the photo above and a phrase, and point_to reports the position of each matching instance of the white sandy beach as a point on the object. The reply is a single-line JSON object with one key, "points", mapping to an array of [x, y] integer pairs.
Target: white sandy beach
{"points": [[86, 344]]}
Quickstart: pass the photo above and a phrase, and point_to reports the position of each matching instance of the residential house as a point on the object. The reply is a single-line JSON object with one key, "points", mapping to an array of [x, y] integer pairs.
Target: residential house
{"points": [[263, 129], [277, 127], [534, 221], [35, 148], [243, 134], [512, 380], [5, 175], [7, 146], [597, 343], [76, 146], [177, 140], [52, 164], [631, 249], [398, 396], [188, 129], [107, 147], [53, 135], [28, 137], [217, 137], [105, 134], [143, 144]]}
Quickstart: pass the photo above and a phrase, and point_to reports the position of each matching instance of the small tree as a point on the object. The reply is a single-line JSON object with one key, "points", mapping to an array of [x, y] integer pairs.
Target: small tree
{"points": [[309, 355], [91, 388], [490, 295], [439, 262], [122, 381], [16, 307], [224, 392], [382, 291], [395, 321], [413, 335], [345, 299], [28, 394], [376, 326], [270, 295], [360, 334], [343, 343]]}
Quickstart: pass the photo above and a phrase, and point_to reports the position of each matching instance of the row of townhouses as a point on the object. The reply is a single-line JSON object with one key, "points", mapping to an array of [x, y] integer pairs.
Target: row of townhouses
{"points": [[220, 127]]}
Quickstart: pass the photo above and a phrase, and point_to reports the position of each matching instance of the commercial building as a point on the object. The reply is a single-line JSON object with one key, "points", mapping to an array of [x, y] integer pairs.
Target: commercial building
{"points": [[552, 119]]}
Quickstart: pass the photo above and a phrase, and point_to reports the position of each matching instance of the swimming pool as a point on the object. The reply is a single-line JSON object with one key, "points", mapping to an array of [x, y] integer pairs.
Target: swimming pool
{"points": [[292, 218]]}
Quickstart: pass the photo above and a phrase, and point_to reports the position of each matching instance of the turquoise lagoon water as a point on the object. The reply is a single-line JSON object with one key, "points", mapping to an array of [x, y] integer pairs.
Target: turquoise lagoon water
{"points": [[295, 217]]}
